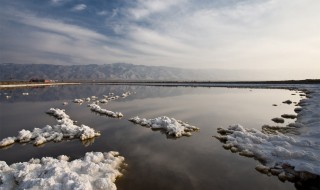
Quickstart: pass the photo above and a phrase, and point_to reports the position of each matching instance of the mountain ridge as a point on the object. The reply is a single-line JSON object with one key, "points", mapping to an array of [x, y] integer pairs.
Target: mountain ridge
{"points": [[114, 71]]}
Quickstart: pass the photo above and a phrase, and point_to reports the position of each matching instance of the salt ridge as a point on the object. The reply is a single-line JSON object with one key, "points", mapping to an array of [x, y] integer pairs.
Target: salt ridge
{"points": [[96, 170], [171, 126], [96, 108], [64, 129]]}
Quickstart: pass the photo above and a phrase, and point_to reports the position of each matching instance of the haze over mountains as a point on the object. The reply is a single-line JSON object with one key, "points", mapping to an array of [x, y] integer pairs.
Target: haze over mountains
{"points": [[124, 71]]}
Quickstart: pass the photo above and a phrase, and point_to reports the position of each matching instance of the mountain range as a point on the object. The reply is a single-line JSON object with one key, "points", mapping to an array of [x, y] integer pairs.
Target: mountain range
{"points": [[124, 71], [116, 71]]}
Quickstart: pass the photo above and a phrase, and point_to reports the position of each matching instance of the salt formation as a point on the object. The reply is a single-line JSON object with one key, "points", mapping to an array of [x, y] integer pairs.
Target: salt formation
{"points": [[126, 94], [289, 116], [289, 156], [104, 101], [96, 170], [171, 126], [64, 129], [79, 101], [287, 102], [96, 108], [278, 120]]}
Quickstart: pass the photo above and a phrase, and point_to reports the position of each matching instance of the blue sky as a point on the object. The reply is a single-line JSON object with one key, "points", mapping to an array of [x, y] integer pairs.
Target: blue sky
{"points": [[222, 34]]}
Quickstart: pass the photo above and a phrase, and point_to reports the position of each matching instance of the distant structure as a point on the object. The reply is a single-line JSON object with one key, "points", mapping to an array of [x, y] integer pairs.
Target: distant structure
{"points": [[40, 80]]}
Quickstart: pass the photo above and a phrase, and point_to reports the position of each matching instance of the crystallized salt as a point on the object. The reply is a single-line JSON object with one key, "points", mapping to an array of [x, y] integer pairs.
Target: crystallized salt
{"points": [[300, 150], [96, 170], [171, 126], [64, 129], [96, 108], [79, 101]]}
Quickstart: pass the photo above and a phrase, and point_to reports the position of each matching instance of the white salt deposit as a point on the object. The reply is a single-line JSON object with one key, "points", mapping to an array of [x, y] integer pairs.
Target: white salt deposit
{"points": [[104, 101], [96, 108], [302, 151], [126, 94], [171, 126], [79, 101], [64, 129], [96, 170]]}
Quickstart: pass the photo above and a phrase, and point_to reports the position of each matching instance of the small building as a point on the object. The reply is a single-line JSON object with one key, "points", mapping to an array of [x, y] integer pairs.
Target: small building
{"points": [[39, 80]]}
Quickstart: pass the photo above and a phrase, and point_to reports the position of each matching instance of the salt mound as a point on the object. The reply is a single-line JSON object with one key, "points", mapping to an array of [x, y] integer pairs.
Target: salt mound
{"points": [[96, 170], [79, 101], [64, 129], [96, 108], [300, 152], [171, 126]]}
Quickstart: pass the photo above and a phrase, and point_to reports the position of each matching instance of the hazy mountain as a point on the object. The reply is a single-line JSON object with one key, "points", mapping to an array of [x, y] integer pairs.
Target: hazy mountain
{"points": [[123, 71], [11, 71]]}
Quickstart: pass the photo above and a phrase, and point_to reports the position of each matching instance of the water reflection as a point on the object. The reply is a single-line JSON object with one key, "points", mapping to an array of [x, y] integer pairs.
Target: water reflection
{"points": [[154, 162]]}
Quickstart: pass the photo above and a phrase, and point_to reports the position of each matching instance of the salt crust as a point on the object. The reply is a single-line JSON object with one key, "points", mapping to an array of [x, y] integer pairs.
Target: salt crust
{"points": [[96, 108], [96, 170], [65, 128], [301, 151], [171, 126]]}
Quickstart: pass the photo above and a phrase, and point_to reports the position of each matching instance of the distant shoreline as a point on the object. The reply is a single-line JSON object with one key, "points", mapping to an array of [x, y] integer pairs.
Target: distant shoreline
{"points": [[28, 84], [21, 84]]}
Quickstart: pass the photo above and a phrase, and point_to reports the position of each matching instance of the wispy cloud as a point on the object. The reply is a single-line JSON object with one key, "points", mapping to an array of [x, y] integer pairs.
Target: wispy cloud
{"points": [[144, 8], [79, 7], [247, 34], [102, 13]]}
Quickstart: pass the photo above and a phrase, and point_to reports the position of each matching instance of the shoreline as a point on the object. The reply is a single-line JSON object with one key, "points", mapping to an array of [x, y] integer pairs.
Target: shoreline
{"points": [[21, 85], [287, 84]]}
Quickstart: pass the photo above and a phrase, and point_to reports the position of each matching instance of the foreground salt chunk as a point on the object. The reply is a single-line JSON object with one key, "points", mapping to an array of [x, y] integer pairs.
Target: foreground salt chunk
{"points": [[171, 126], [64, 129], [96, 108], [96, 170]]}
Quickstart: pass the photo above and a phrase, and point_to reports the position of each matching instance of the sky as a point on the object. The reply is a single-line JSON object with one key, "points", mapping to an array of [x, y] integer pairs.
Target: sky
{"points": [[198, 34]]}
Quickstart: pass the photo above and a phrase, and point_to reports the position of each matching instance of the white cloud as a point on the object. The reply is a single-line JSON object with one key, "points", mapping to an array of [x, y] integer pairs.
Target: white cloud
{"points": [[102, 13], [144, 8], [79, 7]]}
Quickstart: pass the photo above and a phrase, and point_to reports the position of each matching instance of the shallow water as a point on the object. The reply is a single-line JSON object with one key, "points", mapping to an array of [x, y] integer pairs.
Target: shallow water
{"points": [[154, 161]]}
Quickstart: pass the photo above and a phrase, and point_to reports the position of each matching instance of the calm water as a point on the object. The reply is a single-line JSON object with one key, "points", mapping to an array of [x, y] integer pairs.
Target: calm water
{"points": [[154, 161]]}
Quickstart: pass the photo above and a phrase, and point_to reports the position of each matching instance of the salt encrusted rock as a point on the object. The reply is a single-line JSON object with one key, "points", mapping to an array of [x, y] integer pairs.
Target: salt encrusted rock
{"points": [[297, 110], [287, 102], [98, 109], [96, 170], [289, 116], [64, 129], [263, 169], [278, 120], [171, 126]]}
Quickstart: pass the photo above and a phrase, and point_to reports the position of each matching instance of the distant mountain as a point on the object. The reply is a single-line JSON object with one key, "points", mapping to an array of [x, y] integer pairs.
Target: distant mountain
{"points": [[116, 71], [124, 71]]}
